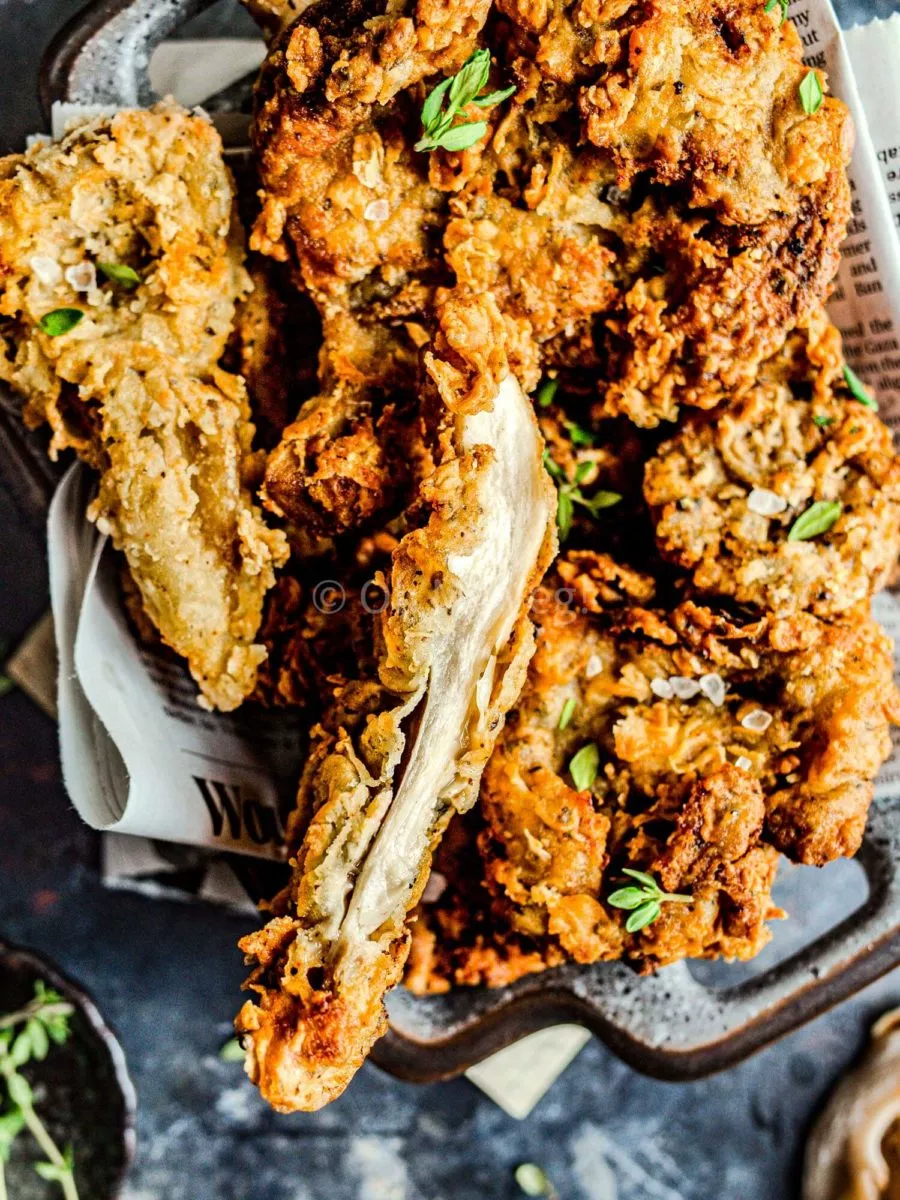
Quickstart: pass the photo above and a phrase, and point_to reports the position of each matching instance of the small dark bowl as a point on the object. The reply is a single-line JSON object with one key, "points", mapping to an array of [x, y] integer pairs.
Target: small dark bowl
{"points": [[83, 1091]]}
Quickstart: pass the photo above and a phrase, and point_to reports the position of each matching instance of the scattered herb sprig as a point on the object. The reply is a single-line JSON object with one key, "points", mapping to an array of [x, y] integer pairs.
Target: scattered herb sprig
{"points": [[120, 273], [784, 5], [858, 389], [584, 766], [26, 1036], [445, 102], [60, 321], [818, 518], [570, 494], [811, 92], [644, 902]]}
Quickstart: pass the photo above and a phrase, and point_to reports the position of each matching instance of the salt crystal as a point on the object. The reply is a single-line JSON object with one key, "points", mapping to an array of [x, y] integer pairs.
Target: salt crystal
{"points": [[661, 688], [377, 210], [434, 888], [713, 688], [757, 721], [46, 269], [82, 278], [593, 667], [766, 503], [743, 762], [684, 688]]}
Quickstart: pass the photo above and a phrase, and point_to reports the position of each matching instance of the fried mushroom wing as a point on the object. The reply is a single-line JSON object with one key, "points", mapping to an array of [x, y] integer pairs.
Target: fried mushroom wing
{"points": [[456, 642], [127, 227], [728, 489]]}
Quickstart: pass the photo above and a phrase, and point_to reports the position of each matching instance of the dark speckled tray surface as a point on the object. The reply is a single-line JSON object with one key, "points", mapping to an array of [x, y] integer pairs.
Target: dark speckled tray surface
{"points": [[672, 1025]]}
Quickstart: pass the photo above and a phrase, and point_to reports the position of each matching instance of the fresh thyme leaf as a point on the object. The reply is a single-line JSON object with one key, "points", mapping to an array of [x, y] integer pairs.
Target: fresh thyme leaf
{"points": [[60, 321], [811, 93], [40, 1041], [565, 512], [232, 1051], [600, 500], [461, 137], [552, 466], [19, 1090], [823, 422], [470, 79], [493, 98], [581, 473], [641, 877], [784, 4], [533, 1180], [567, 711], [11, 1125], [546, 393], [584, 766], [818, 518], [577, 435], [858, 388], [628, 897], [121, 274], [643, 916], [431, 109]]}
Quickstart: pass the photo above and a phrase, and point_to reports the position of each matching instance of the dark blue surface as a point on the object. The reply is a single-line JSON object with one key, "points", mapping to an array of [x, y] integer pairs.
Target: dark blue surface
{"points": [[167, 976]]}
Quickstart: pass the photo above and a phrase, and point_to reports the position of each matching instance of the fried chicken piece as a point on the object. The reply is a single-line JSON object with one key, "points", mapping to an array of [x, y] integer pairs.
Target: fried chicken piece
{"points": [[133, 386], [456, 641], [795, 439], [665, 231], [718, 745]]}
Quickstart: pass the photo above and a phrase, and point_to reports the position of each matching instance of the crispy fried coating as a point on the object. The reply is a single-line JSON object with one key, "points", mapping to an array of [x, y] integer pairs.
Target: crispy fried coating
{"points": [[777, 752], [134, 387], [653, 203], [455, 641], [798, 437]]}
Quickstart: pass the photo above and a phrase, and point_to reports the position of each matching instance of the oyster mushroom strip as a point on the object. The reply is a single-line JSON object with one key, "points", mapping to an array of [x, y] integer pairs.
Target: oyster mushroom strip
{"points": [[457, 641]]}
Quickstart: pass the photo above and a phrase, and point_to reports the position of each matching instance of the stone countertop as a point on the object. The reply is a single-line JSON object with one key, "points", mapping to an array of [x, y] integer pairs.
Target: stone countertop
{"points": [[167, 975]]}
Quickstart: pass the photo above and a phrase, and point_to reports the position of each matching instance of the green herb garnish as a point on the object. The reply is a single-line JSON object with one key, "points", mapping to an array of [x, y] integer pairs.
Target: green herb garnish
{"points": [[577, 435], [818, 518], [644, 902], [858, 388], [25, 1036], [232, 1051], [445, 102], [124, 276], [811, 92], [567, 711], [546, 393], [60, 321], [533, 1180], [784, 4], [823, 422], [584, 766], [570, 494]]}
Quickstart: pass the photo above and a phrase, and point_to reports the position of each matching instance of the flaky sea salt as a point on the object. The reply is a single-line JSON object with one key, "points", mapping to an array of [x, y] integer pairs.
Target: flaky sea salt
{"points": [[83, 277], [594, 666], [766, 503], [377, 210], [713, 688], [661, 688], [743, 762], [684, 688], [46, 269], [757, 721]]}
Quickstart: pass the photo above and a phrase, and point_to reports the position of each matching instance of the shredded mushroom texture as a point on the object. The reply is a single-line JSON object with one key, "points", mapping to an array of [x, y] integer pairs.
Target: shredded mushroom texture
{"points": [[457, 643]]}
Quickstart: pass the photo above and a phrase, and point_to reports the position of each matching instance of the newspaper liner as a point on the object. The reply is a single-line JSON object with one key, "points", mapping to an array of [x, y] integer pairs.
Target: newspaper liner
{"points": [[137, 772]]}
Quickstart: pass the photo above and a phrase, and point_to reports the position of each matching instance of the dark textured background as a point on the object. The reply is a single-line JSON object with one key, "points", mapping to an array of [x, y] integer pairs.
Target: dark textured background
{"points": [[167, 977]]}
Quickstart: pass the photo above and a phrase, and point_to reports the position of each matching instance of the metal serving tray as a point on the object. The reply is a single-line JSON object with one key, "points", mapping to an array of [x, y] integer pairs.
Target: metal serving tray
{"points": [[670, 1025]]}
